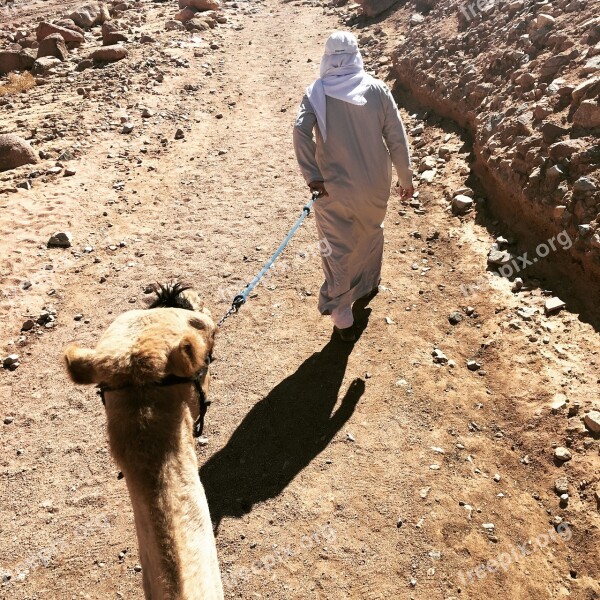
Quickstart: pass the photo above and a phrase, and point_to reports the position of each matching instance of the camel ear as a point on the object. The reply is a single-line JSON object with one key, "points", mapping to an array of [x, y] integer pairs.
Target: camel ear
{"points": [[187, 358], [80, 364]]}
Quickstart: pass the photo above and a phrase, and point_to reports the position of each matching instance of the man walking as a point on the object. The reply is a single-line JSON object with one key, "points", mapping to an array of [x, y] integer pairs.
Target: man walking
{"points": [[359, 134]]}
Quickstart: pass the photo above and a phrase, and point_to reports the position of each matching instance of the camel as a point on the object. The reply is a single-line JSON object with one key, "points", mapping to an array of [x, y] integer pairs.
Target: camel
{"points": [[151, 367]]}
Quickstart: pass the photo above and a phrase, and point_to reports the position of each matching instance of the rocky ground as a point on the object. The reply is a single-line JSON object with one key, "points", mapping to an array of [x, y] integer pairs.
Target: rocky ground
{"points": [[453, 452]]}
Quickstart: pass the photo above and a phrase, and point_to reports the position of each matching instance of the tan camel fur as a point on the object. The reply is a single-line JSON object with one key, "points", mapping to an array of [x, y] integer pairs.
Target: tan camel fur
{"points": [[150, 436]]}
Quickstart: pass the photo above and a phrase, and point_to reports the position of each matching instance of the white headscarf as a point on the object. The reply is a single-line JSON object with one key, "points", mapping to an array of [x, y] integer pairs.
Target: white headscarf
{"points": [[342, 76]]}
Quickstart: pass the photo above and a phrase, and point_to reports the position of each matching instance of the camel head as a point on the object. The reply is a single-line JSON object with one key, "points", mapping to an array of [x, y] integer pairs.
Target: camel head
{"points": [[143, 351]]}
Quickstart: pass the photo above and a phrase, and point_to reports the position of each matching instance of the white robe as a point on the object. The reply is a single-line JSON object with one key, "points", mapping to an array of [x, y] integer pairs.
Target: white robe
{"points": [[356, 166]]}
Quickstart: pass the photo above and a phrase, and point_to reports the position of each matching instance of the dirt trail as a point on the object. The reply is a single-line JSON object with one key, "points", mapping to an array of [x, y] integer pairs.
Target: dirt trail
{"points": [[332, 472]]}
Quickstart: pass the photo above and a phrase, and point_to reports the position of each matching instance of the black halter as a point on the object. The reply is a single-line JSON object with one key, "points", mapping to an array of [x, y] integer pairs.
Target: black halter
{"points": [[203, 402]]}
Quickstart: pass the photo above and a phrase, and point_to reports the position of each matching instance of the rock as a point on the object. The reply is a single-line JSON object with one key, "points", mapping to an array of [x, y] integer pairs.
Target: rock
{"points": [[561, 485], [591, 66], [179, 134], [551, 131], [582, 90], [53, 45], [553, 305], [544, 20], [186, 14], [527, 313], [439, 357], [473, 365], [585, 184], [592, 421], [205, 4], [44, 29], [28, 325], [89, 15], [587, 115], [562, 454], [461, 204], [15, 152], [558, 403], [553, 64], [111, 34], [197, 25], [561, 150], [86, 63], [371, 8], [109, 53], [455, 318], [147, 113], [9, 420], [61, 239], [11, 362], [42, 65], [517, 285], [15, 61], [416, 19], [174, 26], [498, 257]]}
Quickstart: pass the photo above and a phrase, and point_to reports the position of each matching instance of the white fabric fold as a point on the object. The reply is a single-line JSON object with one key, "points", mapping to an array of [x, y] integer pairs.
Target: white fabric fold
{"points": [[342, 77]]}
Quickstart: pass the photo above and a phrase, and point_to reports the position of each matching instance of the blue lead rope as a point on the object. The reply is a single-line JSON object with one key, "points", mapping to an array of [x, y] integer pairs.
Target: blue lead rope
{"points": [[243, 296]]}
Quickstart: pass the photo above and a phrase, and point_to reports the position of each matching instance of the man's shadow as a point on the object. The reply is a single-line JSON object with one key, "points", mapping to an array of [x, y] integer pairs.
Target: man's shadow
{"points": [[284, 431]]}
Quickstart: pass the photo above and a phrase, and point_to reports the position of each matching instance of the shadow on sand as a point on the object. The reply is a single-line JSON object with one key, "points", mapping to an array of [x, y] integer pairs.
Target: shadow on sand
{"points": [[283, 432]]}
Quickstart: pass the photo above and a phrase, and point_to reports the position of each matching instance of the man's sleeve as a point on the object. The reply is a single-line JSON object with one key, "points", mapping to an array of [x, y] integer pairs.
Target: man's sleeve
{"points": [[304, 143], [395, 138]]}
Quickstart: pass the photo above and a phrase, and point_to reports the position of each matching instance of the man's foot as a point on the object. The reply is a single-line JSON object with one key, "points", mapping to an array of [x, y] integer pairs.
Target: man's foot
{"points": [[347, 334]]}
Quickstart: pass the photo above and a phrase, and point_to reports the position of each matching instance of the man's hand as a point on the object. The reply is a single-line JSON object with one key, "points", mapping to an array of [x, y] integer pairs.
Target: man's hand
{"points": [[406, 192], [318, 186]]}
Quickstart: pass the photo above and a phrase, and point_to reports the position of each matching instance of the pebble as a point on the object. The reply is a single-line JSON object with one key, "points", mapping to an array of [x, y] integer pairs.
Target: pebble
{"points": [[563, 454], [8, 420], [11, 362], [439, 357], [592, 421], [561, 485], [455, 318], [28, 325], [473, 365], [137, 568], [61, 239], [553, 305]]}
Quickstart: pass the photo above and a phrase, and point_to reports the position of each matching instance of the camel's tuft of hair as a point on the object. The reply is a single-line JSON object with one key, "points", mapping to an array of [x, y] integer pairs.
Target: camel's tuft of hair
{"points": [[171, 295]]}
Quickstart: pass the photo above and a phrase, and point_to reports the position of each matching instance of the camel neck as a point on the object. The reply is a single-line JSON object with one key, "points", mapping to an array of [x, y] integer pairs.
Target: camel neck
{"points": [[175, 536]]}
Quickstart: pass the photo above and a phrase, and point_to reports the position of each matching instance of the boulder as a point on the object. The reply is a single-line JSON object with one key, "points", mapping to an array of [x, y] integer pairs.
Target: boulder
{"points": [[197, 25], [111, 34], [173, 25], [45, 29], [70, 25], [53, 45], [109, 53], [205, 4], [42, 65], [186, 14], [587, 115], [15, 61], [15, 152], [89, 15]]}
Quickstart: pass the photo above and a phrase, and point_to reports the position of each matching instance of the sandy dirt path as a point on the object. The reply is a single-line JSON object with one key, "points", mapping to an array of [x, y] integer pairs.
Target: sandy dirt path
{"points": [[332, 472]]}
